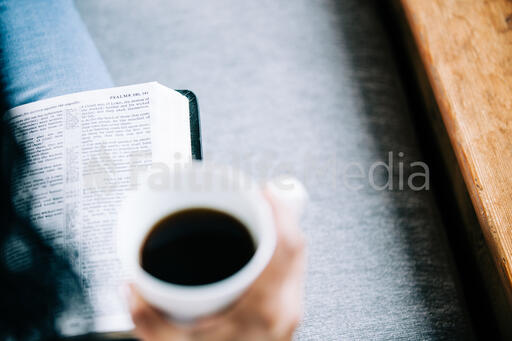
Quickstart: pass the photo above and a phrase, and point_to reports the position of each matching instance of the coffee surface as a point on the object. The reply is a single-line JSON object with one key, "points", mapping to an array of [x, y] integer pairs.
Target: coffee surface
{"points": [[196, 246]]}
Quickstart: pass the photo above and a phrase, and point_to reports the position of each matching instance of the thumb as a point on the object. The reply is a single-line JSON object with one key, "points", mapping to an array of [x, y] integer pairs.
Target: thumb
{"points": [[288, 193], [287, 198]]}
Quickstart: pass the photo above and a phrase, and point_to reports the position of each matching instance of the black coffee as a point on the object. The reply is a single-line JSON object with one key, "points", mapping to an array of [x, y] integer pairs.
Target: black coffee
{"points": [[196, 246]]}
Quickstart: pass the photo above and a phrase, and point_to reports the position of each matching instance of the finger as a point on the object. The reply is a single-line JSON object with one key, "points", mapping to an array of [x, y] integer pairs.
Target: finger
{"points": [[292, 298], [150, 324], [215, 328], [281, 303], [283, 216], [285, 309], [289, 237]]}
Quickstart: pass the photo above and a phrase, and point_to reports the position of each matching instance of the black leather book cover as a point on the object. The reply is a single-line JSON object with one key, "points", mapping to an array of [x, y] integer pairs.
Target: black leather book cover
{"points": [[195, 128]]}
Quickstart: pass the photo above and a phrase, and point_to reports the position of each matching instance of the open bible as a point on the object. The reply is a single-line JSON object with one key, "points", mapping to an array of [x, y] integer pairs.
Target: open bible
{"points": [[82, 150]]}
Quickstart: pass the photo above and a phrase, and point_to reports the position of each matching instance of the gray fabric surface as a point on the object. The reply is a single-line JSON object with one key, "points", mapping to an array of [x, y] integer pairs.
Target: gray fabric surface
{"points": [[307, 87]]}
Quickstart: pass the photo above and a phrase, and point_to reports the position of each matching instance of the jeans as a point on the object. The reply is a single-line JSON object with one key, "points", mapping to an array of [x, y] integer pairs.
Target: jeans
{"points": [[46, 51]]}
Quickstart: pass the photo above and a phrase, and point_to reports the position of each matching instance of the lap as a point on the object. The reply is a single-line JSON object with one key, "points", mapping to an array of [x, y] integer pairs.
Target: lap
{"points": [[46, 51]]}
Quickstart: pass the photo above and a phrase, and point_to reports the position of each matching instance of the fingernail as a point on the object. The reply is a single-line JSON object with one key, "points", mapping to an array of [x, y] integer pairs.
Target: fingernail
{"points": [[290, 192]]}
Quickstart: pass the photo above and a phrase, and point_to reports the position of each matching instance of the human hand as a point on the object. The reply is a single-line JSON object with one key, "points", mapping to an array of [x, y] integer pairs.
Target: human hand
{"points": [[270, 309]]}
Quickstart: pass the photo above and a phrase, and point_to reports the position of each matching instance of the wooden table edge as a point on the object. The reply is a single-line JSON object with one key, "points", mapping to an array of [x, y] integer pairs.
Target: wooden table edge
{"points": [[488, 218]]}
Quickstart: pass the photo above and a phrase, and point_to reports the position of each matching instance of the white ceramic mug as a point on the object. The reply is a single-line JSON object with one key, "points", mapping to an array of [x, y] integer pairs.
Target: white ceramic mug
{"points": [[200, 186]]}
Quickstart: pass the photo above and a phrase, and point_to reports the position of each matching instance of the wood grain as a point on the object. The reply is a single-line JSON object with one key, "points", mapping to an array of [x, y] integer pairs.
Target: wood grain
{"points": [[466, 47]]}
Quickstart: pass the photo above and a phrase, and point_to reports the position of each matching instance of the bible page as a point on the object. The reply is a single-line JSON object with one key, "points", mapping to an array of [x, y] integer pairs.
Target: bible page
{"points": [[82, 149]]}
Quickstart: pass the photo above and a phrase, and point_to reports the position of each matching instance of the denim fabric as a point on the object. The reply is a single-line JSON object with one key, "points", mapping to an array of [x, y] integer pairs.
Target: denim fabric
{"points": [[46, 51]]}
